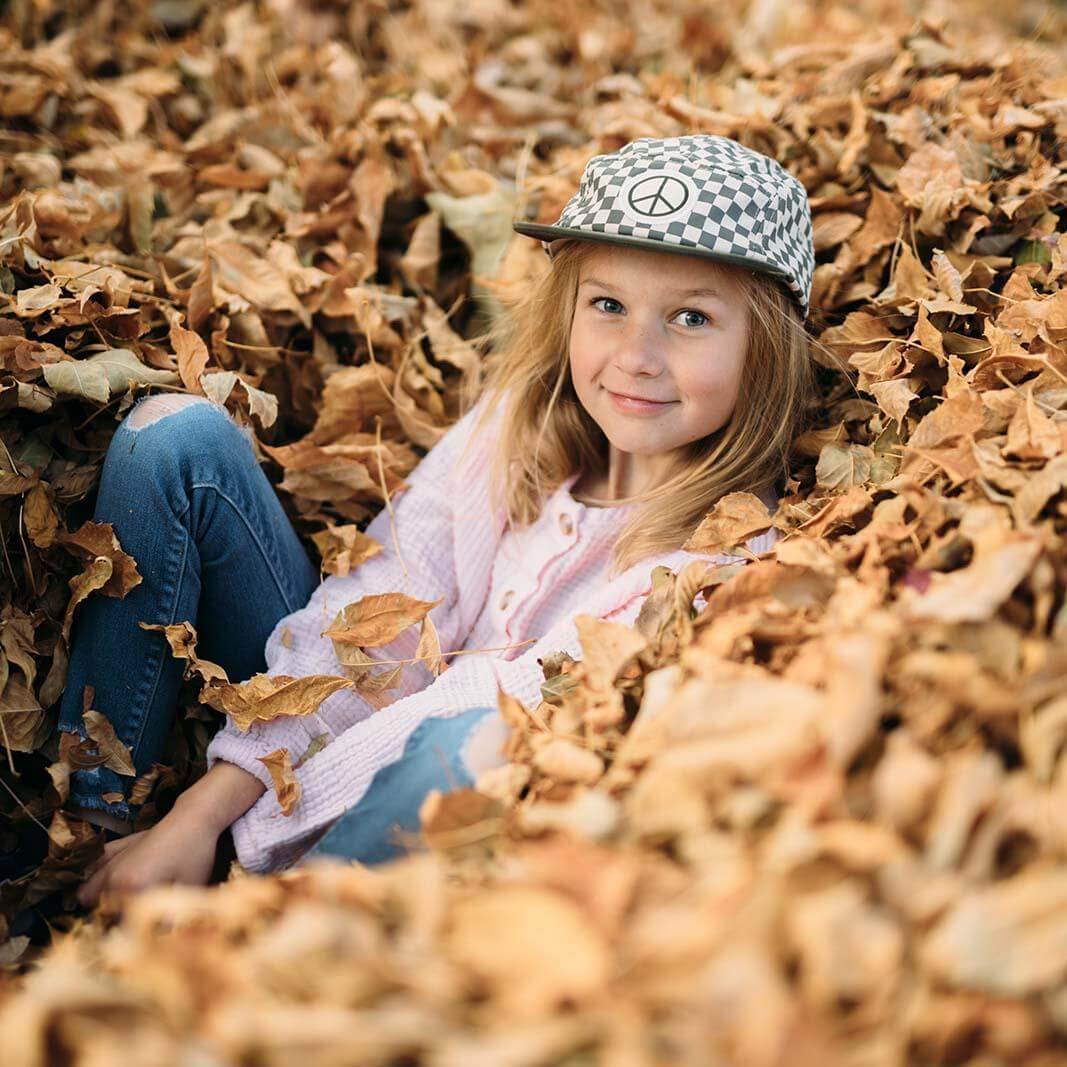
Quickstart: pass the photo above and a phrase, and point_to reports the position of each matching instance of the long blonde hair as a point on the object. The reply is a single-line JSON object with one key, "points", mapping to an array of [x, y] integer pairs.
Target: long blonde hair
{"points": [[546, 435]]}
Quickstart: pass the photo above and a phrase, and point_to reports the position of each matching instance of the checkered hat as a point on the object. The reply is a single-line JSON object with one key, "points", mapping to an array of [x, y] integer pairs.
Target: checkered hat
{"points": [[703, 195]]}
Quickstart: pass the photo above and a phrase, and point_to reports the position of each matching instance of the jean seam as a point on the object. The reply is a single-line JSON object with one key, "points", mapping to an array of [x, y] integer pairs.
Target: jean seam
{"points": [[160, 647], [150, 690], [255, 537]]}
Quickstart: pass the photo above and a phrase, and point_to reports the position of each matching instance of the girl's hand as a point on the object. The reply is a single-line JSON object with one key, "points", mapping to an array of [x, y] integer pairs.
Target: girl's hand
{"points": [[176, 849]]}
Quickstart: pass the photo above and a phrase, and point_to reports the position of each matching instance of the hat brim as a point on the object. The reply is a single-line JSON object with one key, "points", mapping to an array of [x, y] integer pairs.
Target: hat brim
{"points": [[559, 233]]}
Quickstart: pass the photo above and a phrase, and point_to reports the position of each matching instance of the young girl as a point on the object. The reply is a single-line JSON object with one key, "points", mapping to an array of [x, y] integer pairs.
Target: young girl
{"points": [[659, 363]]}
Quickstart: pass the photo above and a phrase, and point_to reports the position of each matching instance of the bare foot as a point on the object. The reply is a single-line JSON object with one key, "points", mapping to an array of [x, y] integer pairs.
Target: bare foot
{"points": [[102, 818]]}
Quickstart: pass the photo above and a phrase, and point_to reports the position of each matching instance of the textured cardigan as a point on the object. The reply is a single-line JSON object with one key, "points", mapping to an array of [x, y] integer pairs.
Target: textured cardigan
{"points": [[498, 587]]}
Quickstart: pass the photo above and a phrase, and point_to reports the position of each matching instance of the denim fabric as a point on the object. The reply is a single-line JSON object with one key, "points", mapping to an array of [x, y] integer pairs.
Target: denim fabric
{"points": [[432, 759], [188, 500]]}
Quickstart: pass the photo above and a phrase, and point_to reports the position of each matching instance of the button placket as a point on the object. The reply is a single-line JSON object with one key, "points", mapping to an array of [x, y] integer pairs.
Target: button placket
{"points": [[532, 573]]}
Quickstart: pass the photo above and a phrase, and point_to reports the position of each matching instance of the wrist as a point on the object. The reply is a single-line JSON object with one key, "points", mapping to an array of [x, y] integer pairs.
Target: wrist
{"points": [[220, 797]]}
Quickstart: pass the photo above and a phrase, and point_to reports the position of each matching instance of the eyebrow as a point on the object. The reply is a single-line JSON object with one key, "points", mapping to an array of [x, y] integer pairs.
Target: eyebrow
{"points": [[675, 292]]}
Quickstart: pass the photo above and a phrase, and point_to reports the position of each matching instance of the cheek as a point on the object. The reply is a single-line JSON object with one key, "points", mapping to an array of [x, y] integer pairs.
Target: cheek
{"points": [[713, 392], [581, 356], [710, 379]]}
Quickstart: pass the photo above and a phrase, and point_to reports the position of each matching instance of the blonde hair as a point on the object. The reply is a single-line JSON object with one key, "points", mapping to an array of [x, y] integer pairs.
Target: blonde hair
{"points": [[546, 435]]}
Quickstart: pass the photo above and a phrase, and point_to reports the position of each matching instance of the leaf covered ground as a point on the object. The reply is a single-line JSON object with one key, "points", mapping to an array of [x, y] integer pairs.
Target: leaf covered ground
{"points": [[820, 822]]}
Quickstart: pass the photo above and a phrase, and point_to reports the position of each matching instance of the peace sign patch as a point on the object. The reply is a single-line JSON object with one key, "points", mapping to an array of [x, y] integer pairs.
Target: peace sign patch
{"points": [[657, 195]]}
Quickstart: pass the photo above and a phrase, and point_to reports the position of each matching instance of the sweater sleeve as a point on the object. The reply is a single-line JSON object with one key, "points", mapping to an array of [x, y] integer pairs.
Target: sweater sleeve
{"points": [[336, 778], [425, 521]]}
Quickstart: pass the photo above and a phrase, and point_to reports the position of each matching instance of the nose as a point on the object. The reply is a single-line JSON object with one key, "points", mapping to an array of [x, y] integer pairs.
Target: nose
{"points": [[639, 351]]}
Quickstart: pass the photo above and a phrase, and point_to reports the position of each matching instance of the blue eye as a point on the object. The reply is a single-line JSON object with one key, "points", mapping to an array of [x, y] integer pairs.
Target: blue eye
{"points": [[596, 300], [691, 311]]}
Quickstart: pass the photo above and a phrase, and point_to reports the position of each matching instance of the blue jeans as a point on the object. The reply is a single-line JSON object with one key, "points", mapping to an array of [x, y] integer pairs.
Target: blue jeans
{"points": [[187, 499], [374, 829]]}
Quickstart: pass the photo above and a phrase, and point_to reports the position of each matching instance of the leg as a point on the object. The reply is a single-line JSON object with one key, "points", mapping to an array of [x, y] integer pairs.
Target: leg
{"points": [[183, 491], [443, 752]]}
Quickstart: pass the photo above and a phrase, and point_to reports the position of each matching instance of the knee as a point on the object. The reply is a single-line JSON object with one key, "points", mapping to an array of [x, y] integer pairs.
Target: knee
{"points": [[483, 747], [185, 417], [176, 429], [151, 409]]}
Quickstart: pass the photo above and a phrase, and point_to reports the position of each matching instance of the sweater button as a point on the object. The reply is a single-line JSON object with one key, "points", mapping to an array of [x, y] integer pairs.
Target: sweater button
{"points": [[566, 525], [505, 600]]}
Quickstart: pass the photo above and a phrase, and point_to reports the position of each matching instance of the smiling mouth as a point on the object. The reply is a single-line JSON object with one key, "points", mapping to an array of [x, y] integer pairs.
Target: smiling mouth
{"points": [[639, 399]]}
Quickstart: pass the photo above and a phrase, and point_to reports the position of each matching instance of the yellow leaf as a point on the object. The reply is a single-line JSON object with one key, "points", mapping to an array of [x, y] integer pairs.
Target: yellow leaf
{"points": [[377, 619], [286, 786], [264, 697], [380, 682], [429, 650], [343, 548], [733, 520], [606, 648], [94, 577], [534, 948], [181, 636], [565, 761], [93, 540], [116, 755], [39, 515], [192, 355]]}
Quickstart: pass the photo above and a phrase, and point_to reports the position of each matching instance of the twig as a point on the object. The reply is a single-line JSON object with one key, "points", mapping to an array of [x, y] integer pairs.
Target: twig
{"points": [[457, 652], [24, 808], [1040, 403], [385, 491], [25, 548], [7, 746]]}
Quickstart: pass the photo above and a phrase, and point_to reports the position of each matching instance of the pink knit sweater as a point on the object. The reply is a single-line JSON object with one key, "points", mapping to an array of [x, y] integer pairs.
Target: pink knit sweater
{"points": [[497, 588]]}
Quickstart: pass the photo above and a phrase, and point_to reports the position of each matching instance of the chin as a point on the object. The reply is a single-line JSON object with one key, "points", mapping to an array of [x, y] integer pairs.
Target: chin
{"points": [[634, 444]]}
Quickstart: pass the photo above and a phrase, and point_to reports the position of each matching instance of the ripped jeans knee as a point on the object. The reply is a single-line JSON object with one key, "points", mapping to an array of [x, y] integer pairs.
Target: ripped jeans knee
{"points": [[151, 409]]}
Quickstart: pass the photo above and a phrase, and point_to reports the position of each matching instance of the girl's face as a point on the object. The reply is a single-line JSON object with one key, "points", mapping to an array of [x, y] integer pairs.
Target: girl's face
{"points": [[669, 330]]}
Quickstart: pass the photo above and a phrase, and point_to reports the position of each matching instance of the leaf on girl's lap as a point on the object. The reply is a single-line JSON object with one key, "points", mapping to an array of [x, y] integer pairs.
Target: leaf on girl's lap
{"points": [[265, 697], [429, 650], [376, 620], [286, 786]]}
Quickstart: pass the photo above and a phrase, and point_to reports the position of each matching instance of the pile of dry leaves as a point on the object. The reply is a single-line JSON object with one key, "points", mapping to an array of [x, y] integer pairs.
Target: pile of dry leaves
{"points": [[823, 821]]}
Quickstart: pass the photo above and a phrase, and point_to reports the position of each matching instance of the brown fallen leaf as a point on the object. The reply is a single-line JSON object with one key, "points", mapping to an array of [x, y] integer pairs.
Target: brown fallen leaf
{"points": [[182, 638], [96, 576], [265, 697], [429, 647], [116, 754], [974, 592], [377, 619], [565, 761], [192, 353], [531, 947], [343, 548], [733, 520], [287, 787], [93, 540], [1008, 939]]}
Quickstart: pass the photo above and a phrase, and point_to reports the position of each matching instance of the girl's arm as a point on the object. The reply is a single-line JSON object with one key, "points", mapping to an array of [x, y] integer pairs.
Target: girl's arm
{"points": [[222, 795]]}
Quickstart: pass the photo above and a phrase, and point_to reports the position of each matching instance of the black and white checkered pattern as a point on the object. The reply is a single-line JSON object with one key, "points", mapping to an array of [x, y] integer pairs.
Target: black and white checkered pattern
{"points": [[702, 194]]}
